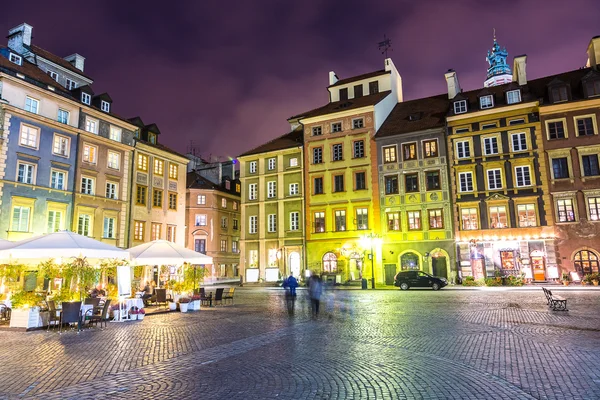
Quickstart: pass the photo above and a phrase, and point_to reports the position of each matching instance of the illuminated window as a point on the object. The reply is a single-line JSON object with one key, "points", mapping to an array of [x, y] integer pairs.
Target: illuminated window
{"points": [[142, 162], [410, 151], [498, 217], [139, 228], [223, 245], [319, 221], [526, 215], [114, 160], [362, 218], [224, 222], [329, 262], [469, 219], [201, 199], [389, 154], [414, 220], [91, 125], [115, 133], [158, 166], [54, 221], [430, 148], [393, 220], [200, 219], [436, 219], [60, 145], [171, 233], [155, 231], [29, 136], [340, 220], [293, 162], [173, 171], [566, 212], [90, 154], [594, 208]]}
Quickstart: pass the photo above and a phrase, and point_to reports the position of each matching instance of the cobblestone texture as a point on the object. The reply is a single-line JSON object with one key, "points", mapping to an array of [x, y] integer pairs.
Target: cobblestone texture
{"points": [[365, 345]]}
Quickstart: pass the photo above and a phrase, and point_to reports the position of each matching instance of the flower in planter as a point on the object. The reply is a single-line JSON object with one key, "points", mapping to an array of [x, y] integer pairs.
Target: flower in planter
{"points": [[184, 300], [195, 297], [141, 311]]}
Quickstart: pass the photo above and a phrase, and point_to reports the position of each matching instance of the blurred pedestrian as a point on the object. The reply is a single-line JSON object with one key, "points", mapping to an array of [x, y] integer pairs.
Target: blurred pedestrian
{"points": [[315, 289]]}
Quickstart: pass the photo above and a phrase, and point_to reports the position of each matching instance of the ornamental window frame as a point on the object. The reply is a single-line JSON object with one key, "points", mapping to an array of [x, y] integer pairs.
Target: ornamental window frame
{"points": [[389, 154], [578, 118], [565, 128]]}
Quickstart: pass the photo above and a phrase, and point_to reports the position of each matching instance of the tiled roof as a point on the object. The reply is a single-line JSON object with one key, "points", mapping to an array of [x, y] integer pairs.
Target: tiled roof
{"points": [[289, 140], [344, 105], [197, 181], [56, 60], [360, 77], [416, 115]]}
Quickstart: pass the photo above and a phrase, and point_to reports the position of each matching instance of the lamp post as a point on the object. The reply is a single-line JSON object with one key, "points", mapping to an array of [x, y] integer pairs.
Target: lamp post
{"points": [[368, 241]]}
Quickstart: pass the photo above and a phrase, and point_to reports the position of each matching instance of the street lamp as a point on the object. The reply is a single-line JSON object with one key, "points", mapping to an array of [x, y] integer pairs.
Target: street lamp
{"points": [[371, 240]]}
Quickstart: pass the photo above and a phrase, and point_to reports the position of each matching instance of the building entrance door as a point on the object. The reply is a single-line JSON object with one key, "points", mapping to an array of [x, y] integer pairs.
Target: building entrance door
{"points": [[295, 264], [439, 267], [390, 273]]}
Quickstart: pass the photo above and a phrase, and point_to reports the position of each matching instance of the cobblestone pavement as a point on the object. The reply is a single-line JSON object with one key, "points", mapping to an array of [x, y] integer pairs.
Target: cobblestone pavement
{"points": [[364, 345]]}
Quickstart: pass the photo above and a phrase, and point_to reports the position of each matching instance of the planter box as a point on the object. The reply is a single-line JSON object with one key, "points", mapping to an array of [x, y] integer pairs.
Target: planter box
{"points": [[195, 305], [115, 314], [27, 318], [172, 306], [183, 307], [140, 316]]}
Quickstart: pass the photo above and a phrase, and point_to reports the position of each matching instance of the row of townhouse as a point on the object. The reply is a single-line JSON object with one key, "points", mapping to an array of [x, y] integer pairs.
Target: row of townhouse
{"points": [[503, 178]]}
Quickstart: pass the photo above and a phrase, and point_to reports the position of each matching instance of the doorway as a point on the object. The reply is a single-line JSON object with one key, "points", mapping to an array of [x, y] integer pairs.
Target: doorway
{"points": [[294, 262], [390, 273], [356, 267], [439, 267]]}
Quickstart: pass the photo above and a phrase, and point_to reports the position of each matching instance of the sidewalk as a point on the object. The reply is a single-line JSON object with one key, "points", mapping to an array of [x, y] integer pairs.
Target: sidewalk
{"points": [[551, 286]]}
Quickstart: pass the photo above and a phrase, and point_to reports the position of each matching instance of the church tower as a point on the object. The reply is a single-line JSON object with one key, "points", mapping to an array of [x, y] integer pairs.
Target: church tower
{"points": [[498, 72]]}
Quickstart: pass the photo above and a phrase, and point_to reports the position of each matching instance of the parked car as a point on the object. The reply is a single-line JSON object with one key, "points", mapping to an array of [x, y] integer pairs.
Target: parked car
{"points": [[407, 279]]}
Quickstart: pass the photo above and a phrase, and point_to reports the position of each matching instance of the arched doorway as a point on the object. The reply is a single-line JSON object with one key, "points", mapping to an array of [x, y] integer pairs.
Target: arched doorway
{"points": [[356, 266], [410, 261], [440, 263], [586, 262], [294, 263], [329, 262]]}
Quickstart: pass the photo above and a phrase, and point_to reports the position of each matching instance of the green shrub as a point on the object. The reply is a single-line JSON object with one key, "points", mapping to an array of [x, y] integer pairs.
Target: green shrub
{"points": [[492, 282], [470, 281]]}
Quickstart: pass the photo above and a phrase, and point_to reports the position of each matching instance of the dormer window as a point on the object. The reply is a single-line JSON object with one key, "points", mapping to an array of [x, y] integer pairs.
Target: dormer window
{"points": [[460, 107], [152, 138], [53, 75], [559, 94], [86, 98], [358, 91], [513, 96], [105, 106], [343, 94], [373, 87], [71, 84], [13, 58], [593, 88], [486, 101]]}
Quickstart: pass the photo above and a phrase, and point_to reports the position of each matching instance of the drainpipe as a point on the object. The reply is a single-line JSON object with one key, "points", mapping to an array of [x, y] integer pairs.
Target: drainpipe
{"points": [[74, 191], [128, 230]]}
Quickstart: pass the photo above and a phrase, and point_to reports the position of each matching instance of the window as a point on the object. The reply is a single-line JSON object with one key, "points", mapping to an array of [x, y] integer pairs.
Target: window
{"points": [[294, 189], [498, 217], [155, 231], [172, 201], [593, 87], [486, 101], [329, 262], [560, 168], [25, 173], [58, 180], [494, 178], [556, 130], [235, 205], [391, 184], [463, 149], [393, 220], [54, 221], [513, 96], [344, 94], [200, 220], [358, 123], [173, 171], [338, 183], [358, 91], [114, 160], [200, 245], [433, 180], [594, 208], [319, 221], [271, 189], [523, 176], [223, 203], [60, 145], [87, 185], [293, 162], [32, 105], [223, 245], [436, 219], [201, 199], [430, 148], [20, 219], [109, 228], [253, 225], [158, 166], [71, 84], [272, 162], [105, 106], [336, 127], [590, 165], [340, 220], [152, 138], [318, 186], [414, 220], [490, 145], [469, 219], [373, 87], [559, 94], [83, 224], [359, 149], [362, 218], [410, 151], [252, 191], [294, 221], [526, 215], [460, 107], [566, 212], [91, 125], [157, 198], [517, 121], [585, 126], [111, 190], [86, 98], [317, 131], [317, 155], [465, 180], [139, 227], [234, 246], [63, 116], [224, 222], [253, 167], [461, 130], [337, 152], [519, 141], [115, 133], [142, 162], [412, 183], [488, 126], [90, 154], [13, 58], [29, 136], [360, 181], [141, 195], [389, 154]]}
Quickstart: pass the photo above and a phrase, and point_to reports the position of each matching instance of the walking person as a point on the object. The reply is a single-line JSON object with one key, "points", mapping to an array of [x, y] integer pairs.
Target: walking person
{"points": [[315, 289]]}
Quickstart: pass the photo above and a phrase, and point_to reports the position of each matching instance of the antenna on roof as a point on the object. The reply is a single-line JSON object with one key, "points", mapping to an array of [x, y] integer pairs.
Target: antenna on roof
{"points": [[385, 45]]}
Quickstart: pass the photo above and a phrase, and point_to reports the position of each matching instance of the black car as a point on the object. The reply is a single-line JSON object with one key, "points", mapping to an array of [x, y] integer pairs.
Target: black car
{"points": [[408, 279]]}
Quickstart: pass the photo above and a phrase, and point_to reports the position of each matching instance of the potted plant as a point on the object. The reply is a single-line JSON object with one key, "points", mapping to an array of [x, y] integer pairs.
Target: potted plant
{"points": [[587, 279], [566, 278], [141, 313], [184, 303], [195, 303], [172, 305], [595, 278]]}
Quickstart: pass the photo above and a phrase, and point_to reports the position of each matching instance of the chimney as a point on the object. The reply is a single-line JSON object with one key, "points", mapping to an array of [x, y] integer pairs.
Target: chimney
{"points": [[593, 51], [77, 61], [332, 78], [452, 82], [19, 37], [519, 69]]}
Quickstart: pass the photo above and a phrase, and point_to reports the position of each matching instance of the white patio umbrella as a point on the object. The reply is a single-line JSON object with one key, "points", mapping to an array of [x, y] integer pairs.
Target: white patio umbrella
{"points": [[62, 244], [162, 252]]}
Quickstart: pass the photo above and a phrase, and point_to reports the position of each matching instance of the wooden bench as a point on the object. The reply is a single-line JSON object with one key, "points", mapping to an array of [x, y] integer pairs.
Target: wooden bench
{"points": [[556, 303]]}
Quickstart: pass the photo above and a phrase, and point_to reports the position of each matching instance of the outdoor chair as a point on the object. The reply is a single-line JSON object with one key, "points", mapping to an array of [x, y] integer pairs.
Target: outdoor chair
{"points": [[204, 298], [71, 313], [95, 301], [103, 316], [4, 312], [229, 295], [219, 296], [160, 297], [52, 314]]}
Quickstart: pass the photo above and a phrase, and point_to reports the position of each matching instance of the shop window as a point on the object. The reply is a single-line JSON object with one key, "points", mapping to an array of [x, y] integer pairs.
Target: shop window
{"points": [[586, 262], [526, 215], [498, 218], [329, 262], [409, 261], [469, 218]]}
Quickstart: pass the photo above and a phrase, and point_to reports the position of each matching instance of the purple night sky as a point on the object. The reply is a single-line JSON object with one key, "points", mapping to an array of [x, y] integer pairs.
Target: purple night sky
{"points": [[227, 75]]}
